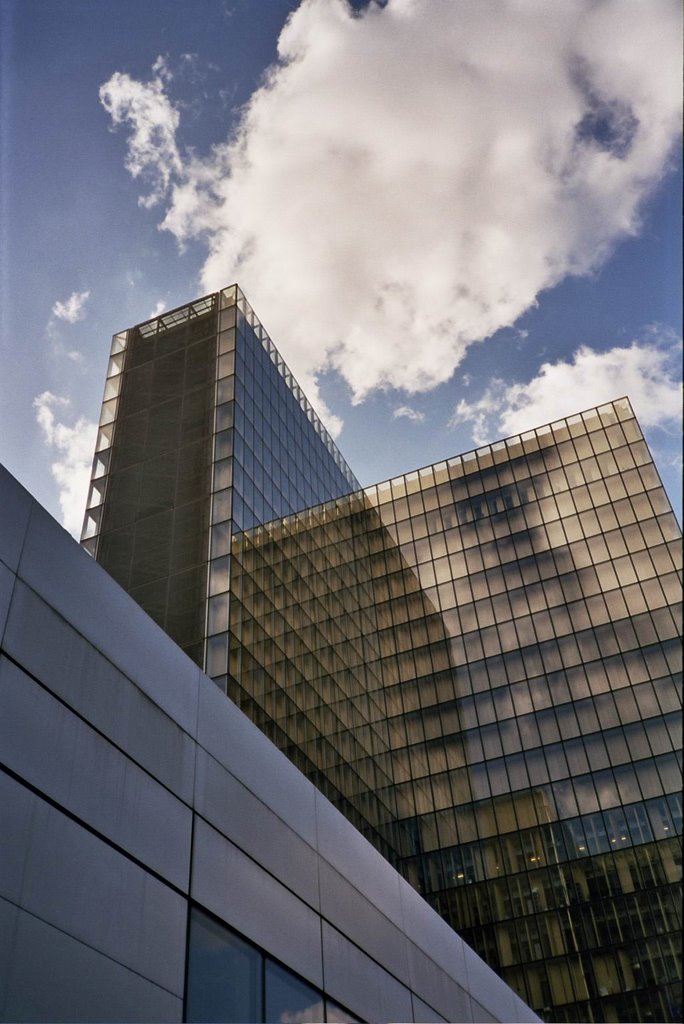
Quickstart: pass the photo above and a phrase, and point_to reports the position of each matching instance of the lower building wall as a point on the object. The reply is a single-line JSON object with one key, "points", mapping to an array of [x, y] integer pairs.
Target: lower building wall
{"points": [[139, 806]]}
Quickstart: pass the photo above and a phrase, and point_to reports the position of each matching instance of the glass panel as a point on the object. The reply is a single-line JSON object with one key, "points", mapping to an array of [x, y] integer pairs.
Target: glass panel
{"points": [[119, 342], [91, 525], [112, 387], [104, 437], [224, 974], [334, 1014], [227, 318], [228, 296], [224, 416], [101, 465], [225, 365], [108, 412], [96, 492], [220, 539], [90, 546], [219, 577], [217, 655], [289, 1000], [218, 614], [221, 506], [227, 343], [115, 365]]}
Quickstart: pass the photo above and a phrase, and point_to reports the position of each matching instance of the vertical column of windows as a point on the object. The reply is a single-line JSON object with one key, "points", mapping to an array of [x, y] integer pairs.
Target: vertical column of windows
{"points": [[103, 445], [223, 491]]}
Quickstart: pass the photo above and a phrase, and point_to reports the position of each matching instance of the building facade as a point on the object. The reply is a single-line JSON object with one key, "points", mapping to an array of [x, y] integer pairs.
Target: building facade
{"points": [[160, 859], [479, 663], [527, 642], [203, 432]]}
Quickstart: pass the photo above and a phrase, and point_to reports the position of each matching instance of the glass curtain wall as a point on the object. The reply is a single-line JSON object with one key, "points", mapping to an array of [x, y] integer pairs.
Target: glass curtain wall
{"points": [[552, 745], [147, 521], [272, 455], [305, 656], [203, 430], [522, 624]]}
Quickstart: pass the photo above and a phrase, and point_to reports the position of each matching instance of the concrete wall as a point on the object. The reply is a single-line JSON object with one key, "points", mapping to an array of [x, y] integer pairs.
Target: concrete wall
{"points": [[130, 785]]}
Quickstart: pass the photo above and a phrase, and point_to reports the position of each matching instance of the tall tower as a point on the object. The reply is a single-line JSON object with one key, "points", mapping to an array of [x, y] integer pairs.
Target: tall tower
{"points": [[203, 432]]}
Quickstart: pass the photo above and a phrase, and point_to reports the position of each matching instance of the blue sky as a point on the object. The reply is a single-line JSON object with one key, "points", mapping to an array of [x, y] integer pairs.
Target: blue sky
{"points": [[456, 221]]}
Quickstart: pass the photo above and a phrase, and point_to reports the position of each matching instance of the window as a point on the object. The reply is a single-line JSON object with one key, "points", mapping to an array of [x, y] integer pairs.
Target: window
{"points": [[230, 980], [224, 974], [288, 999]]}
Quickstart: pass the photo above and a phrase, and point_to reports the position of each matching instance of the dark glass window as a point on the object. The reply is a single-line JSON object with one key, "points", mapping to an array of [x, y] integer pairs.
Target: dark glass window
{"points": [[334, 1014], [224, 974], [228, 976], [289, 999]]}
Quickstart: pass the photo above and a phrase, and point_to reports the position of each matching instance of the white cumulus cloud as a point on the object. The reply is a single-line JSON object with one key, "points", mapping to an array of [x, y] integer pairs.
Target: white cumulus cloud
{"points": [[407, 412], [411, 176], [153, 119], [647, 371], [72, 309], [73, 447]]}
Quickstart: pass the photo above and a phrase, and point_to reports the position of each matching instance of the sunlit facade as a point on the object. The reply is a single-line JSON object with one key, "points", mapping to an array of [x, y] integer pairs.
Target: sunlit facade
{"points": [[479, 663], [521, 622]]}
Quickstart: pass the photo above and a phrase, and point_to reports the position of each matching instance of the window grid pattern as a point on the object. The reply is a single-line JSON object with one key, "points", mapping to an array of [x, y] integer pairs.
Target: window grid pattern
{"points": [[188, 451], [151, 526], [304, 661], [272, 456], [110, 403], [526, 642]]}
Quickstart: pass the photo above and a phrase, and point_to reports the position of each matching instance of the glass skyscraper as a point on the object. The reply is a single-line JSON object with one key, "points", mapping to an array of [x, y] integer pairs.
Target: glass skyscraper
{"points": [[478, 662], [203, 432]]}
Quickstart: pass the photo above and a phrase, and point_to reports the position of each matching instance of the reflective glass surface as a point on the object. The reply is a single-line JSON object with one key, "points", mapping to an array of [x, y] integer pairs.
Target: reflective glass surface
{"points": [[516, 612], [305, 658], [230, 979], [272, 455], [289, 998], [203, 430], [224, 974]]}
